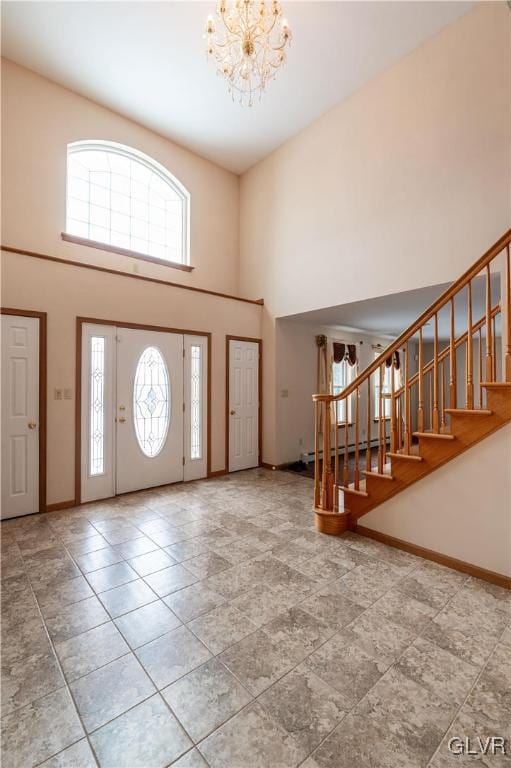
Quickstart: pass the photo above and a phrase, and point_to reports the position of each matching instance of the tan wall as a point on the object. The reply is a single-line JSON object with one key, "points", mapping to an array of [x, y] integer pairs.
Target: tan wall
{"points": [[39, 119], [402, 185], [66, 292], [467, 520]]}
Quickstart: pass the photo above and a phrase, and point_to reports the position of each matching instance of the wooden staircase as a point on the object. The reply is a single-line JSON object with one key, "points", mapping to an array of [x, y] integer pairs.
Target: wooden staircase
{"points": [[349, 486]]}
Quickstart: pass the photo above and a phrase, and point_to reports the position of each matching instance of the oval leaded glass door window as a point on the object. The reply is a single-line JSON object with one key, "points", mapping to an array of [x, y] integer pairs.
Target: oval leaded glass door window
{"points": [[151, 402]]}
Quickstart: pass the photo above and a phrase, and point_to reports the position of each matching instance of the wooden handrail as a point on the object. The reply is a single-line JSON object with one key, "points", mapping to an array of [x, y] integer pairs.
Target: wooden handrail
{"points": [[447, 351], [446, 296]]}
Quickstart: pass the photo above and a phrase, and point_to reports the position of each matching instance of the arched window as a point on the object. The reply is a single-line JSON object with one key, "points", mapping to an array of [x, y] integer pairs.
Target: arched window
{"points": [[124, 199]]}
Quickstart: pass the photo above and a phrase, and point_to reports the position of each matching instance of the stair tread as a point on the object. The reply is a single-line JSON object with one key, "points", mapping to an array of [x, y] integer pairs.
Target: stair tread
{"points": [[385, 475], [435, 435], [496, 384], [469, 411], [406, 456]]}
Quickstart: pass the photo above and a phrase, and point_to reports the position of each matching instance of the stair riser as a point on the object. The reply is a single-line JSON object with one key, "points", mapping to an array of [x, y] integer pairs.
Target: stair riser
{"points": [[435, 452], [471, 429], [499, 401]]}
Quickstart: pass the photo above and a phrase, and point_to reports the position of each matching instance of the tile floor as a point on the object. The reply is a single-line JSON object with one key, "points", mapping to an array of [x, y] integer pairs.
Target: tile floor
{"points": [[207, 624]]}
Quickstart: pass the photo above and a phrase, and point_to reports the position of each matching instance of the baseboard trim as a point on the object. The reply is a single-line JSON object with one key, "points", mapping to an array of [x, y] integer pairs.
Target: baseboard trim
{"points": [[60, 505], [451, 562]]}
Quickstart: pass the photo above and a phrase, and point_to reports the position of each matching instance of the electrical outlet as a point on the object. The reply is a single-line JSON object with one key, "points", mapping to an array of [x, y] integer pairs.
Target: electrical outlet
{"points": [[57, 394], [284, 392]]}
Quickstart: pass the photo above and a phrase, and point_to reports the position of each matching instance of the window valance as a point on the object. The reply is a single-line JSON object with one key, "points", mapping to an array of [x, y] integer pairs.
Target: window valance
{"points": [[346, 352], [397, 361]]}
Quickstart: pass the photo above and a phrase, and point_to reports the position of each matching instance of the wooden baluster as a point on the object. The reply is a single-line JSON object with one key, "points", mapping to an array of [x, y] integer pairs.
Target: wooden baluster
{"points": [[436, 421], [431, 400], [385, 432], [400, 421], [494, 348], [442, 396], [368, 425], [480, 361], [489, 347], [470, 362], [356, 477], [380, 420], [327, 483], [336, 457], [507, 315], [317, 484], [453, 395], [392, 410], [420, 408], [346, 473], [408, 417]]}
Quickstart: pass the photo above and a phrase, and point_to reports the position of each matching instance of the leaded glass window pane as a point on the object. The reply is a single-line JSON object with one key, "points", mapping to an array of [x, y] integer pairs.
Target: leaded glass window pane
{"points": [[97, 406], [151, 402], [196, 401]]}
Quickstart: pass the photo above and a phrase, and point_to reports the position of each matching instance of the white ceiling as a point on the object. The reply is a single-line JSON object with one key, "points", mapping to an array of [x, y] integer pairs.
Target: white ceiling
{"points": [[391, 315], [146, 60]]}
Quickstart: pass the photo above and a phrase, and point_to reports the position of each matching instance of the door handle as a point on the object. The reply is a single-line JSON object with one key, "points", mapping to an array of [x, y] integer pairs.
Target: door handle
{"points": [[32, 425], [122, 407], [233, 413], [122, 419]]}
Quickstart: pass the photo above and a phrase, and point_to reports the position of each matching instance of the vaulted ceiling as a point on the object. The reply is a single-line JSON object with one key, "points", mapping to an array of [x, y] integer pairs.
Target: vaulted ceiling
{"points": [[146, 60]]}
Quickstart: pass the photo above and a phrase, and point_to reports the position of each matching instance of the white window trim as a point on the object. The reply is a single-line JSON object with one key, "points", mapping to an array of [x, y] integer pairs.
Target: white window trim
{"points": [[152, 165], [195, 468], [387, 406], [353, 372]]}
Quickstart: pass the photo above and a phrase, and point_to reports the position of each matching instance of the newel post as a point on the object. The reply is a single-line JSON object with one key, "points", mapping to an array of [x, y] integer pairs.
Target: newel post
{"points": [[327, 483]]}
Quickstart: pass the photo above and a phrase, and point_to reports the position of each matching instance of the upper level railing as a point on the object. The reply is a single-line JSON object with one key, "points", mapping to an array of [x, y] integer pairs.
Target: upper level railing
{"points": [[384, 419]]}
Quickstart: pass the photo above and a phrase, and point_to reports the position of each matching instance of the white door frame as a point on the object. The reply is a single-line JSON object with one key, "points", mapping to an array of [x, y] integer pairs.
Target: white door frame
{"points": [[228, 340], [42, 385], [204, 336]]}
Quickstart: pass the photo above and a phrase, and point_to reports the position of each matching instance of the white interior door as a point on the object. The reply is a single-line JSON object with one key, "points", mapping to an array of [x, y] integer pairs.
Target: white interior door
{"points": [[149, 415], [243, 404], [20, 415]]}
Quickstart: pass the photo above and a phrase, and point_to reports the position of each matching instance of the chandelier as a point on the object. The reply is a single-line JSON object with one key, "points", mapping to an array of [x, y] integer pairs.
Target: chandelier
{"points": [[249, 46]]}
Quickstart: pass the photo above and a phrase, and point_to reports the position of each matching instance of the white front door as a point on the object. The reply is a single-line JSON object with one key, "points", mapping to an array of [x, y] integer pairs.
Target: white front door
{"points": [[20, 416], [243, 404], [144, 409], [149, 409]]}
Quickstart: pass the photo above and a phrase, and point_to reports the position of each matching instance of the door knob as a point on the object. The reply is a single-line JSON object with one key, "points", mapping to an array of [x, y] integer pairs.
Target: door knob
{"points": [[32, 425], [232, 413], [122, 419]]}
